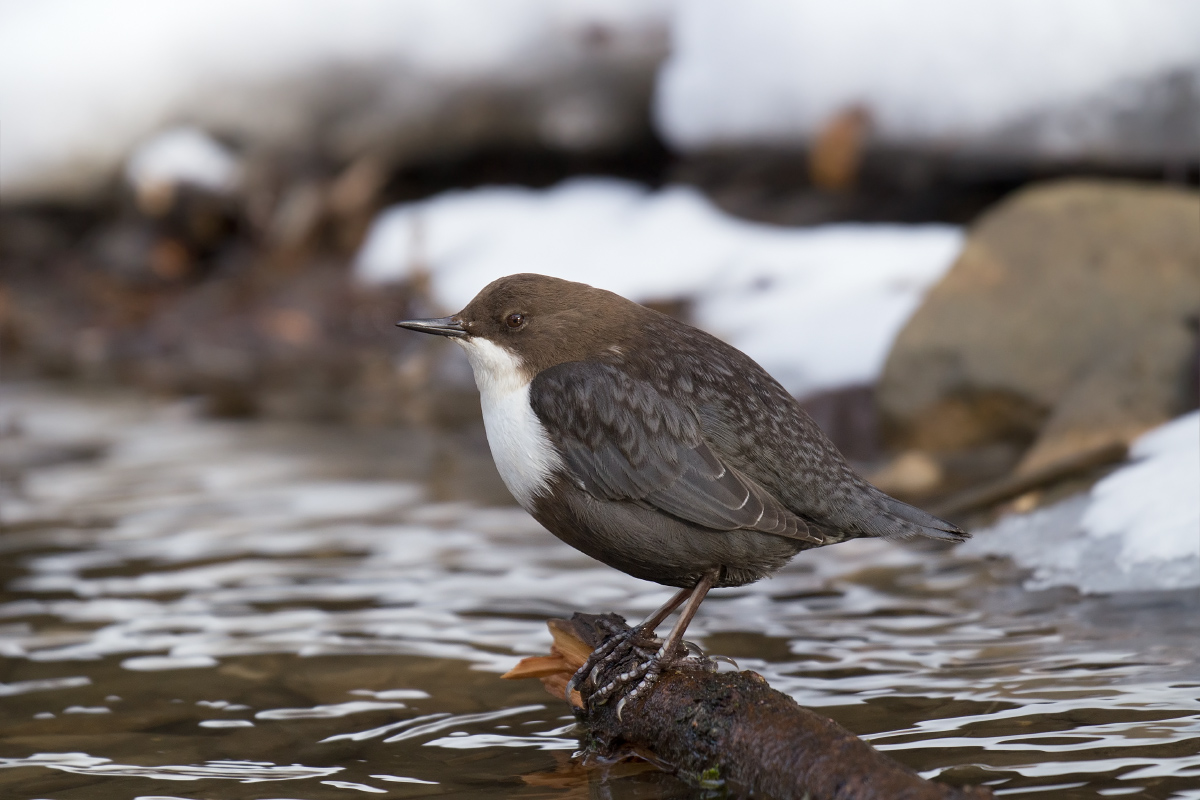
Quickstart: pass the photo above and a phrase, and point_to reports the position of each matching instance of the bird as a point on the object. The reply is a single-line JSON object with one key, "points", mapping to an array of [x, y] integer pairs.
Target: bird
{"points": [[657, 449]]}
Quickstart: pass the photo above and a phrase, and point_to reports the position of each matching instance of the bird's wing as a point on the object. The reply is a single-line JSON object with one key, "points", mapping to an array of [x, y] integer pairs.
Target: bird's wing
{"points": [[623, 440]]}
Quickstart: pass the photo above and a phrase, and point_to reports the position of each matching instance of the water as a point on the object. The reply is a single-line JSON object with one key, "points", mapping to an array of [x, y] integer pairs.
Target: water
{"points": [[203, 609]]}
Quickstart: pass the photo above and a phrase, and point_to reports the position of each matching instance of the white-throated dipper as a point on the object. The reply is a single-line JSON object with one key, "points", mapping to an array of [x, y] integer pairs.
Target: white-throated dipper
{"points": [[656, 448]]}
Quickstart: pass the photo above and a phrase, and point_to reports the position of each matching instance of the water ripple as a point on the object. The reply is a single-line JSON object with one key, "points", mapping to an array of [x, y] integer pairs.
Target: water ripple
{"points": [[200, 570]]}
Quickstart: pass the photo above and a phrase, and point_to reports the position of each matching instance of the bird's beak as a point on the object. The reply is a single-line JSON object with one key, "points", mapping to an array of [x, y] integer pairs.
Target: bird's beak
{"points": [[444, 326]]}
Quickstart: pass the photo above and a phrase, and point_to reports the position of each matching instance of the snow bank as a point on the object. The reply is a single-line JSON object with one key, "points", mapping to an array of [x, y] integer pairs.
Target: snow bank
{"points": [[817, 307], [1138, 529], [81, 83], [1152, 507], [1105, 78]]}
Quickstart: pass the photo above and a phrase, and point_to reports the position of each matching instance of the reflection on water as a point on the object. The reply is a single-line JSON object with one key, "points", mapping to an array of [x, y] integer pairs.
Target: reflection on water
{"points": [[193, 609]]}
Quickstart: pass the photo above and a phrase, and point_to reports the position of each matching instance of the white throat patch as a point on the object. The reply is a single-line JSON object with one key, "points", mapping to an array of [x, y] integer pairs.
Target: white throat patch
{"points": [[521, 448]]}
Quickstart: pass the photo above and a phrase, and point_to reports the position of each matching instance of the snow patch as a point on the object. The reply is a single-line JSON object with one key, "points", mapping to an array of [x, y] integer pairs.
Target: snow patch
{"points": [[817, 307], [942, 72], [183, 155], [1152, 506], [1137, 530], [82, 83]]}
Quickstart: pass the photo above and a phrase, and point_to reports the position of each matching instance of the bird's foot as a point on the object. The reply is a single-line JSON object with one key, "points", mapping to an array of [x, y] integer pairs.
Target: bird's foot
{"points": [[641, 677], [621, 641]]}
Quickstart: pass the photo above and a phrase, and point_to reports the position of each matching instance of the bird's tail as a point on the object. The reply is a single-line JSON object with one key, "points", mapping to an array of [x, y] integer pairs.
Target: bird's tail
{"points": [[896, 520]]}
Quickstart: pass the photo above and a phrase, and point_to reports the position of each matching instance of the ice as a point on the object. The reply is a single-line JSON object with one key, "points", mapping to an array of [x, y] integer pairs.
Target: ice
{"points": [[817, 307], [1137, 530], [932, 72]]}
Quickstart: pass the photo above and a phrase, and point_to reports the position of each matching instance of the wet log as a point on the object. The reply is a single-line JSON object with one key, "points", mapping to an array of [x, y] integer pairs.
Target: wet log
{"points": [[729, 729]]}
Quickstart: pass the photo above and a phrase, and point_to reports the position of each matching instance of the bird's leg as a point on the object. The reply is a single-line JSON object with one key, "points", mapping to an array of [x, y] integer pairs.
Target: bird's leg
{"points": [[620, 642], [649, 670]]}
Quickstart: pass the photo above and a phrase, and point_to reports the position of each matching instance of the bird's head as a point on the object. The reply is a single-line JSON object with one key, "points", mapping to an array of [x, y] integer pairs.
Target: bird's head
{"points": [[519, 325]]}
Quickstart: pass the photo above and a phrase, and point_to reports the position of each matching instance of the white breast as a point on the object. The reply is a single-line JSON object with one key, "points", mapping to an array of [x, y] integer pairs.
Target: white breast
{"points": [[521, 448]]}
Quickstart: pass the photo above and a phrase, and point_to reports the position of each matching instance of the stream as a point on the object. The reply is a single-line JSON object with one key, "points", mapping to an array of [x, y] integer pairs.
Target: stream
{"points": [[193, 608]]}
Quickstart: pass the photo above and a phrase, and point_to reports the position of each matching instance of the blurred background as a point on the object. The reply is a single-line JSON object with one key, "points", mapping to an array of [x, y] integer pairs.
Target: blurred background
{"points": [[965, 235]]}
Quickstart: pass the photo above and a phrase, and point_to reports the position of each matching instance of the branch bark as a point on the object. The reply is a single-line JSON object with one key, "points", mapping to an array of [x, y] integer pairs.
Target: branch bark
{"points": [[729, 729]]}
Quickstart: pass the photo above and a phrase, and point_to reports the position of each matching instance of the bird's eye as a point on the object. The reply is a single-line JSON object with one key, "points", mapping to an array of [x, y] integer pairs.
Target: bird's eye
{"points": [[514, 320]]}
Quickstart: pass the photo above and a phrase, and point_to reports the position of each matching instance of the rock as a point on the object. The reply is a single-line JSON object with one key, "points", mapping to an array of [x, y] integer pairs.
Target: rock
{"points": [[849, 418], [1137, 386], [1065, 319], [912, 474]]}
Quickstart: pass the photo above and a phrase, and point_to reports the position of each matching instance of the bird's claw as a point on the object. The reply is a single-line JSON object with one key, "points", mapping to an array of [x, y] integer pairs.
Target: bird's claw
{"points": [[642, 675], [601, 695], [724, 660], [644, 685], [619, 642]]}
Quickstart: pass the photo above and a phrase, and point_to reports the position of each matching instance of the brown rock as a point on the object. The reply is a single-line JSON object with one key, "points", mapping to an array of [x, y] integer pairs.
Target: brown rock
{"points": [[1067, 308], [911, 474], [1137, 386]]}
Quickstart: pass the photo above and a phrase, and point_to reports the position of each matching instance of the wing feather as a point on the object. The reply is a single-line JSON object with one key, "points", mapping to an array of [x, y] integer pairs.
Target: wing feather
{"points": [[622, 440]]}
